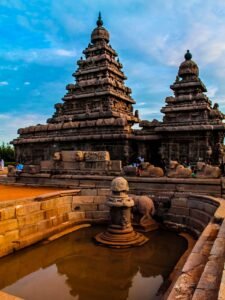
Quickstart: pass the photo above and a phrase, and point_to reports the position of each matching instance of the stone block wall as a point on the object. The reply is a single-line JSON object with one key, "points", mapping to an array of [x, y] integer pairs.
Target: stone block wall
{"points": [[26, 222], [190, 212]]}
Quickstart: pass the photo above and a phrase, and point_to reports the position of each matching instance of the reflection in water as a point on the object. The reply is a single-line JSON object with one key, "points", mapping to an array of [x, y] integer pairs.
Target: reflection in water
{"points": [[73, 267]]}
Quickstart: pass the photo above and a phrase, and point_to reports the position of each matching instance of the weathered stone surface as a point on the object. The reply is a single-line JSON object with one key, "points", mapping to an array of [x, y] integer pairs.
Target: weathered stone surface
{"points": [[44, 224], [179, 210], [200, 205], [27, 230], [97, 215], [96, 156], [211, 276], [204, 295], [56, 220], [7, 213], [76, 215], [82, 199], [64, 209], [48, 204], [2, 239], [25, 209], [221, 295], [103, 207], [11, 236], [200, 215], [48, 213], [31, 218], [88, 192], [218, 248], [8, 225], [194, 260], [86, 207], [180, 202], [103, 192], [115, 165], [99, 199]]}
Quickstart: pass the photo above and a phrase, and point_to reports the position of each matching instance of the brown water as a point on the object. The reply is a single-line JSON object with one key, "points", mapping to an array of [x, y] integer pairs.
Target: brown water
{"points": [[73, 267]]}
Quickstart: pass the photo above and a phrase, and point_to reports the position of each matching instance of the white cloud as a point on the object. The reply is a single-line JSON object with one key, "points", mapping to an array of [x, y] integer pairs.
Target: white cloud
{"points": [[11, 122], [63, 52], [26, 83], [38, 55], [212, 91], [3, 83]]}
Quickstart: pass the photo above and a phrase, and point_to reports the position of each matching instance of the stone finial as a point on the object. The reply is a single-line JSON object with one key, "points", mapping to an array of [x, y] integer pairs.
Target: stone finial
{"points": [[188, 55], [99, 21], [119, 184]]}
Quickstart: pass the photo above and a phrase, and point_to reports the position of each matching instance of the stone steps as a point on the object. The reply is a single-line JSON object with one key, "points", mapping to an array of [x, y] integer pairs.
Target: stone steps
{"points": [[210, 280], [187, 284]]}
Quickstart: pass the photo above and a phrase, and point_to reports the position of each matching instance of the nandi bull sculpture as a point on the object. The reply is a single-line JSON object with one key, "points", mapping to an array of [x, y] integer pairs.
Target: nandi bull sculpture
{"points": [[143, 211]]}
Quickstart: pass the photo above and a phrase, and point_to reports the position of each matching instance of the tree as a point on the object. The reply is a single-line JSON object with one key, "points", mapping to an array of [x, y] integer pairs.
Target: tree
{"points": [[7, 152]]}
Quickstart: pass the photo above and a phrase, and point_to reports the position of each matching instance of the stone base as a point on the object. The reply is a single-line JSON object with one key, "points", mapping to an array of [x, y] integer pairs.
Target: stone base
{"points": [[151, 225], [120, 239]]}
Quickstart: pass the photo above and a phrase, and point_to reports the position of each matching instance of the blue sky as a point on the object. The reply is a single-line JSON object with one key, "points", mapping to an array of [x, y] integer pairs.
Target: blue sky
{"points": [[41, 40]]}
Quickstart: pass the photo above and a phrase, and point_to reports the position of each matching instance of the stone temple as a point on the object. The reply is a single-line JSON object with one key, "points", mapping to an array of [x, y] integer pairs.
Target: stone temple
{"points": [[97, 115]]}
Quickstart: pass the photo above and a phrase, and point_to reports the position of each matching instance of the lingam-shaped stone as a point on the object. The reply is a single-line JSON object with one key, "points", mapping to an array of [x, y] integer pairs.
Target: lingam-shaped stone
{"points": [[120, 233]]}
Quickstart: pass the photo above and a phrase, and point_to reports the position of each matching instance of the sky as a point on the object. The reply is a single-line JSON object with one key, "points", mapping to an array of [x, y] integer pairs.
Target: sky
{"points": [[41, 40]]}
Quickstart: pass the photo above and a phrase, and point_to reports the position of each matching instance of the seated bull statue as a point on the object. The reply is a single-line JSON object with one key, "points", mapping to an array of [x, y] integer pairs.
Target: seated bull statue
{"points": [[207, 171], [178, 171], [143, 207], [149, 170]]}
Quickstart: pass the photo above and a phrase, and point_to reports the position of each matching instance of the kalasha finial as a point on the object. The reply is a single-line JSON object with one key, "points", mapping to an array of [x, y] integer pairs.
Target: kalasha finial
{"points": [[99, 21], [188, 55]]}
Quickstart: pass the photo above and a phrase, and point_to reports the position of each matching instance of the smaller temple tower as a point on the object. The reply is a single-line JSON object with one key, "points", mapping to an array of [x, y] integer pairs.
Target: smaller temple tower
{"points": [[192, 129]]}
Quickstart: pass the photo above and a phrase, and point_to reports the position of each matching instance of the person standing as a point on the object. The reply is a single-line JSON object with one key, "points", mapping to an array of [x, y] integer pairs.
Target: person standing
{"points": [[2, 164]]}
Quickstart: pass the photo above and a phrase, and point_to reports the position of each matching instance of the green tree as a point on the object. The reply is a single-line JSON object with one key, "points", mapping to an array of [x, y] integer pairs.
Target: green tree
{"points": [[7, 152]]}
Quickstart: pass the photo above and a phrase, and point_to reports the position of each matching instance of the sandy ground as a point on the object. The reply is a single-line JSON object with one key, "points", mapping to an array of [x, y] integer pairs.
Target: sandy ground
{"points": [[10, 192]]}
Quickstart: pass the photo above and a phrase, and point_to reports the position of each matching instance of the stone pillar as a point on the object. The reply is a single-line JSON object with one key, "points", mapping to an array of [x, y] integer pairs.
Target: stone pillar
{"points": [[120, 233]]}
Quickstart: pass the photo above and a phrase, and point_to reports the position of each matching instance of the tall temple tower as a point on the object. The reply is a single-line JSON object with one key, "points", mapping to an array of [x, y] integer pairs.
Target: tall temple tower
{"points": [[96, 113], [192, 129]]}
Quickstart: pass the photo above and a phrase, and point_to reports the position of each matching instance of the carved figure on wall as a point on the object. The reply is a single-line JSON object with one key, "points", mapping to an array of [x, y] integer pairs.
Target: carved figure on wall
{"points": [[96, 156], [178, 171], [57, 156], [79, 155]]}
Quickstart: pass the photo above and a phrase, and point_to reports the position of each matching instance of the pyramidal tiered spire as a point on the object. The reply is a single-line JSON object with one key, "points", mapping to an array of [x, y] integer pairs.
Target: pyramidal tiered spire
{"points": [[190, 105], [99, 91], [191, 129]]}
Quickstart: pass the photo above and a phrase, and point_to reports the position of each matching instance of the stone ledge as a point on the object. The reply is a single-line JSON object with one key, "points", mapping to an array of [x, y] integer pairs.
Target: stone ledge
{"points": [[6, 296]]}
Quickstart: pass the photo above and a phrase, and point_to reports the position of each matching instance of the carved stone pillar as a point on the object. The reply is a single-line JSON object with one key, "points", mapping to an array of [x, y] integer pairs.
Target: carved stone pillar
{"points": [[120, 233]]}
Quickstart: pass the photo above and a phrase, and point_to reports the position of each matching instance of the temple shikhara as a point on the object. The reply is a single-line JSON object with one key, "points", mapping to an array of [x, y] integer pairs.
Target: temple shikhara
{"points": [[97, 114]]}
